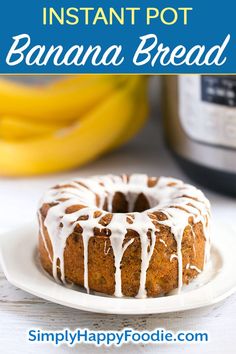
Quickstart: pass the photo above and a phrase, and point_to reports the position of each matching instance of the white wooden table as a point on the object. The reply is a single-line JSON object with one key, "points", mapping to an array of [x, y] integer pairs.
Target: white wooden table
{"points": [[20, 311]]}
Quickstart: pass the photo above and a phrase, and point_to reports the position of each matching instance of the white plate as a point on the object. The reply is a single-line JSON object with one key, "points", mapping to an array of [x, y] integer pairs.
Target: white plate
{"points": [[18, 256]]}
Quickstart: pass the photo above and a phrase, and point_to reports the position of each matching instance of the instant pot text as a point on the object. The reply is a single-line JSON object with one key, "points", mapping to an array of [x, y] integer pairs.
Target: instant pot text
{"points": [[150, 50]]}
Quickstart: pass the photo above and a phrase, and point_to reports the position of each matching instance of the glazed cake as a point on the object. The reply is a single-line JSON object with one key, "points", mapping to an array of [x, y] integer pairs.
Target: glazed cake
{"points": [[124, 235]]}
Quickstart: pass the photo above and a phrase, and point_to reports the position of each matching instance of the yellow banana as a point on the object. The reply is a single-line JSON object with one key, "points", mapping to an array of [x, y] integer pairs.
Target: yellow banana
{"points": [[139, 117], [61, 105], [72, 80], [18, 129], [12, 128], [75, 145]]}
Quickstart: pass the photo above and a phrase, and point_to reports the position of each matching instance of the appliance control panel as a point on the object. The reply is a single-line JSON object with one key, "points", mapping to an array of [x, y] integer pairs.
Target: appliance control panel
{"points": [[207, 109], [219, 89]]}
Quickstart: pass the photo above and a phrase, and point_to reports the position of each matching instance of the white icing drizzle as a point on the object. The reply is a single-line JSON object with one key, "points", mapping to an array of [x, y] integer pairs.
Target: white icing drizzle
{"points": [[191, 266], [177, 201], [162, 241], [173, 256], [106, 250], [43, 237]]}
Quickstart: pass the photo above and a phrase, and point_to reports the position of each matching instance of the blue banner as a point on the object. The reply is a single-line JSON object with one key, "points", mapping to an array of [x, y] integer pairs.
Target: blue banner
{"points": [[86, 36]]}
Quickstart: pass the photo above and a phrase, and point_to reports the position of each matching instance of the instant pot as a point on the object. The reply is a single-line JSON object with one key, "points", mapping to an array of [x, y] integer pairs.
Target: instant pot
{"points": [[200, 126]]}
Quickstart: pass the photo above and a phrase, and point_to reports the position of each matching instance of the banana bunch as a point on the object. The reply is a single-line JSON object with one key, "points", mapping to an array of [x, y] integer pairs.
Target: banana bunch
{"points": [[68, 122]]}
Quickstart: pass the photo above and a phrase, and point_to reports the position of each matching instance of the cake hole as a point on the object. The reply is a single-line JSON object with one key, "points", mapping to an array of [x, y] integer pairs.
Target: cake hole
{"points": [[141, 203], [119, 203], [128, 203]]}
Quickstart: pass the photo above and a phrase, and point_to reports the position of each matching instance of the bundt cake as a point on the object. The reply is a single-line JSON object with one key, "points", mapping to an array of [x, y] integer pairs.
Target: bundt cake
{"points": [[124, 235]]}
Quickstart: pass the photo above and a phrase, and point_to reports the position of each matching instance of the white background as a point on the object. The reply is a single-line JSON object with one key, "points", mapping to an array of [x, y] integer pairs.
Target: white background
{"points": [[20, 311]]}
